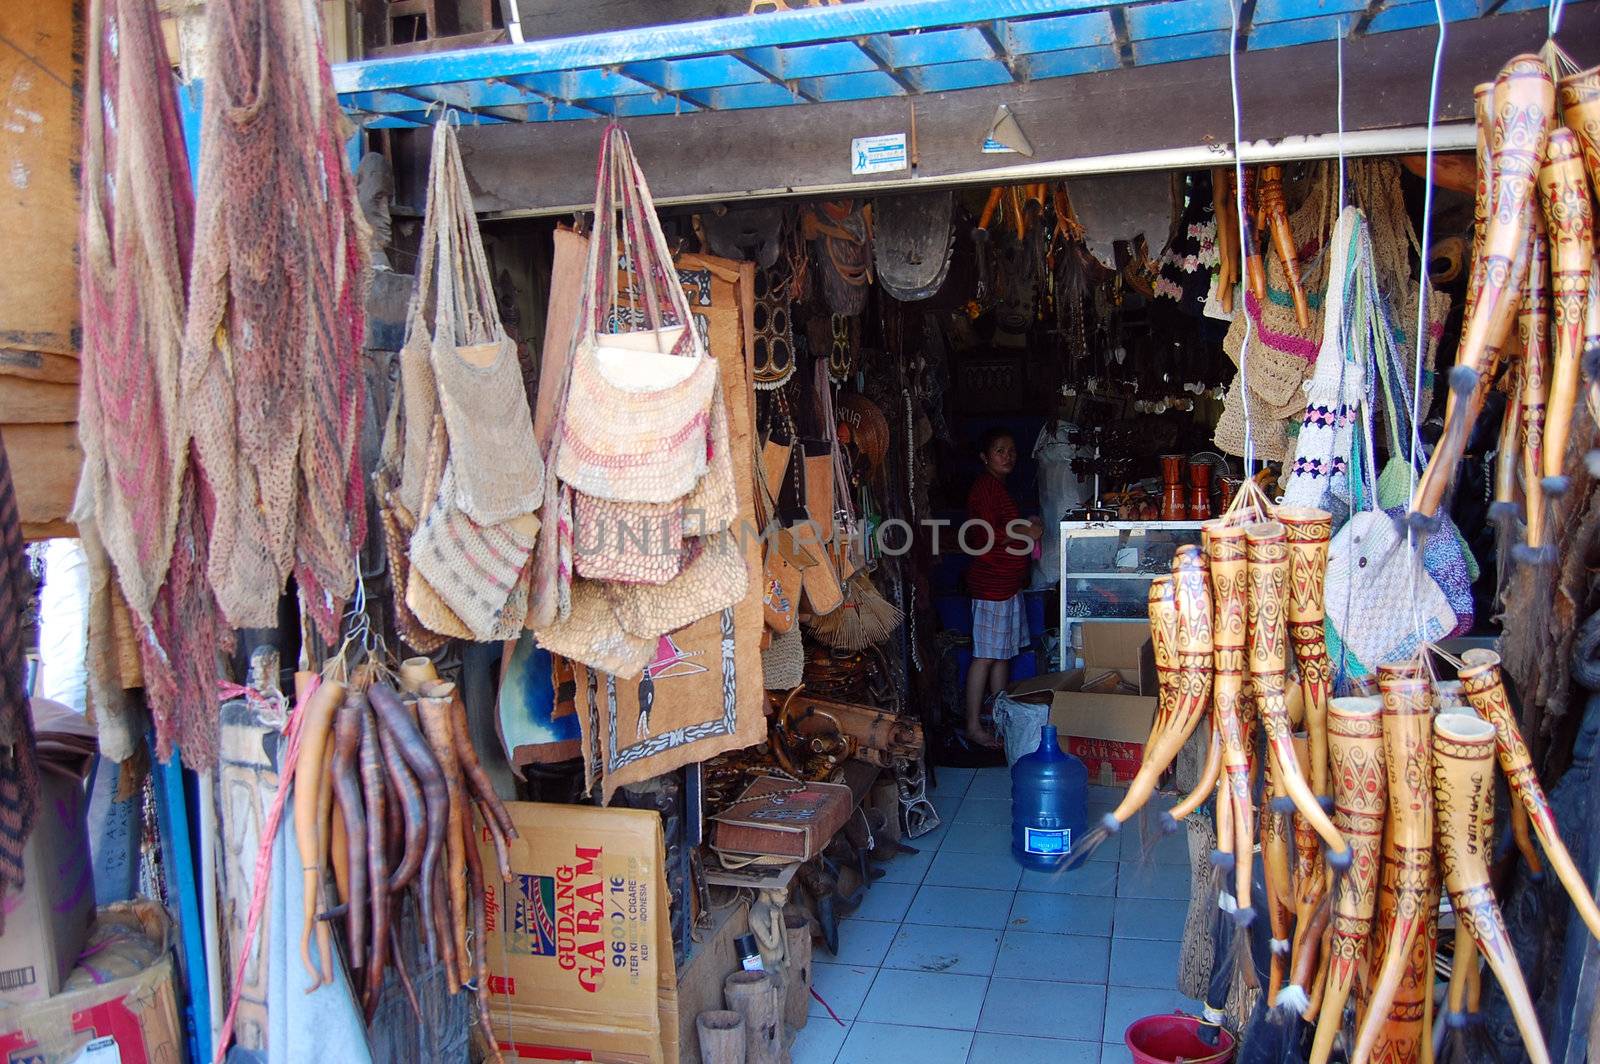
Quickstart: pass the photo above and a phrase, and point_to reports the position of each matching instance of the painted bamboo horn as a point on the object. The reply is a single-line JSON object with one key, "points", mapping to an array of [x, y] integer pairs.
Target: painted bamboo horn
{"points": [[1486, 693], [1210, 772], [1392, 1026], [1580, 112], [1192, 594], [1230, 634], [1591, 342], [1279, 881], [1533, 326], [1275, 220], [1569, 224], [1524, 101], [1267, 553], [1360, 790], [1163, 609], [1463, 795], [1307, 531]]}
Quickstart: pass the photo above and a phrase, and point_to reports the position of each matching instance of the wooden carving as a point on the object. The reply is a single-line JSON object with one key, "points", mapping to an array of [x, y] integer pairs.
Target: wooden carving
{"points": [[1267, 552], [1463, 795], [1360, 789], [1524, 103], [1275, 220], [1307, 532], [1580, 112], [1533, 327], [1486, 693], [1569, 223], [1392, 1028], [1163, 609], [1230, 596]]}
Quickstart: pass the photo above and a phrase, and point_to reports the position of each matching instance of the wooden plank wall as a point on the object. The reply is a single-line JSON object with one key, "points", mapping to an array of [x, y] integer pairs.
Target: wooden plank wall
{"points": [[40, 77], [549, 166]]}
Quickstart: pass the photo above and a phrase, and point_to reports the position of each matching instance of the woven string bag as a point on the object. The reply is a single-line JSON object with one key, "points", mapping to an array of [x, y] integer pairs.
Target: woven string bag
{"points": [[717, 578], [638, 408], [783, 663]]}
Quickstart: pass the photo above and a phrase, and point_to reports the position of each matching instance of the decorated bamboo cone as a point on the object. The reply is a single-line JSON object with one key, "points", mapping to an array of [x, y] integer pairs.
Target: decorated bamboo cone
{"points": [[1163, 609], [1524, 103], [1230, 590], [1307, 531], [1591, 342], [1360, 789], [1569, 223], [1533, 326], [1580, 112], [1192, 594], [1392, 1028], [1463, 785], [1224, 210], [1268, 563], [1487, 694], [1275, 219]]}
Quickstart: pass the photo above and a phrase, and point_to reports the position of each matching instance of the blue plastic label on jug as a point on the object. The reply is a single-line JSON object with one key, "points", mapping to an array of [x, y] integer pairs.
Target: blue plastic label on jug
{"points": [[1047, 840]]}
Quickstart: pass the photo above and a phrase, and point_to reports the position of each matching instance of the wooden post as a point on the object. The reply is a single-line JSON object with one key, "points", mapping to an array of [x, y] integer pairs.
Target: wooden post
{"points": [[751, 995], [797, 994], [721, 1037]]}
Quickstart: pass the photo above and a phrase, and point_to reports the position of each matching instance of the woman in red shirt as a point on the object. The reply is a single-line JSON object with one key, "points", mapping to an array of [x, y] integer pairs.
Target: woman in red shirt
{"points": [[1001, 543]]}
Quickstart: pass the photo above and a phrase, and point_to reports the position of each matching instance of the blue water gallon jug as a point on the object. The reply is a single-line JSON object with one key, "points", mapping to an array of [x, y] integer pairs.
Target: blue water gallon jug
{"points": [[1049, 804]]}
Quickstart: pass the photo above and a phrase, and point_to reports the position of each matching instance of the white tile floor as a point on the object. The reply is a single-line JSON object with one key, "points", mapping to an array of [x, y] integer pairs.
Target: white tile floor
{"points": [[959, 956]]}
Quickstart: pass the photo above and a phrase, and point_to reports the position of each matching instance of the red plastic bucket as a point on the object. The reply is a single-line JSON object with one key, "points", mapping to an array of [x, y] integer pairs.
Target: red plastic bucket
{"points": [[1175, 1039]]}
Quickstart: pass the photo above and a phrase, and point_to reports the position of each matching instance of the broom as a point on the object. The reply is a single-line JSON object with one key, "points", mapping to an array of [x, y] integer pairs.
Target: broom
{"points": [[865, 618]]}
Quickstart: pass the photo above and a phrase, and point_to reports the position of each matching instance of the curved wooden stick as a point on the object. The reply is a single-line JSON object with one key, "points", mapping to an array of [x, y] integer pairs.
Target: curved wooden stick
{"points": [[1255, 266], [1524, 102], [1275, 847], [316, 725], [1569, 223], [1275, 219], [1230, 635], [1210, 772], [1360, 791], [1223, 210], [1268, 562], [1486, 693], [1307, 531], [1463, 794], [1407, 750]]}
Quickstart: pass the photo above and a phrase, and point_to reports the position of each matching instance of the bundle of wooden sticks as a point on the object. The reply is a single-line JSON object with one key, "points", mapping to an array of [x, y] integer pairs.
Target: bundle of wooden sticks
{"points": [[385, 794]]}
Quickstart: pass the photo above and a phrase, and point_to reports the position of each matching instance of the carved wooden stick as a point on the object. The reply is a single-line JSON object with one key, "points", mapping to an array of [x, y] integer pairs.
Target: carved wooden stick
{"points": [[1360, 790], [1463, 787], [1486, 693], [1569, 223], [1275, 219], [1524, 102], [1255, 266]]}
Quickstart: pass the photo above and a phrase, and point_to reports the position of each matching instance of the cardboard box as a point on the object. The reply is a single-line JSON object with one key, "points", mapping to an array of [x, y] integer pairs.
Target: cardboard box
{"points": [[1107, 732], [580, 942], [132, 1019], [47, 919]]}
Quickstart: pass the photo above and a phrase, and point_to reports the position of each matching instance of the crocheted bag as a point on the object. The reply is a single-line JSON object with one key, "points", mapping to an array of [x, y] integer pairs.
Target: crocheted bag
{"points": [[638, 407]]}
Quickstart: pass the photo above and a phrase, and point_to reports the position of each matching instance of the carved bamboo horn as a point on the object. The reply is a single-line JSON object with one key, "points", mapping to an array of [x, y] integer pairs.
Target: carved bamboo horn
{"points": [[1307, 531], [1533, 326], [1569, 223], [1279, 881], [1463, 785], [1267, 554], [1360, 789], [1210, 772], [1275, 219], [1580, 112], [1162, 604], [1407, 753], [1507, 485], [1524, 101], [1486, 693], [1192, 595], [1230, 634]]}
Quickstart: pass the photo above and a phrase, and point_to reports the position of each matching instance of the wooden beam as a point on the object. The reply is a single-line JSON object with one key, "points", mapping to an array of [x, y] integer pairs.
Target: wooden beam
{"points": [[1285, 92]]}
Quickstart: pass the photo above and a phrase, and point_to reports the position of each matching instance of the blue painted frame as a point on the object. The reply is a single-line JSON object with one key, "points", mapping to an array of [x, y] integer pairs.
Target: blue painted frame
{"points": [[878, 50]]}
